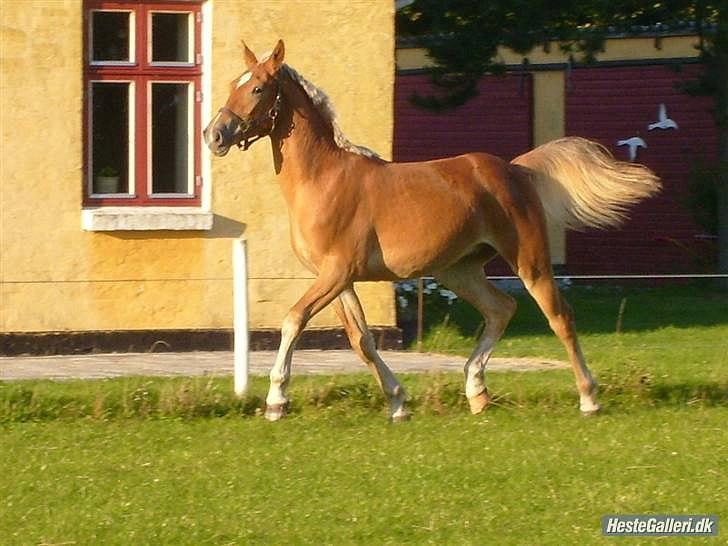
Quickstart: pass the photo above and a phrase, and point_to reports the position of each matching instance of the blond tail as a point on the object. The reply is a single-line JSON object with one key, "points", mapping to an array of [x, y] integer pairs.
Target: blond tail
{"points": [[582, 185]]}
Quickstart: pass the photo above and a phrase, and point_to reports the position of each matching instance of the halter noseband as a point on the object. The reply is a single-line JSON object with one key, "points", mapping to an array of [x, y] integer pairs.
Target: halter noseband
{"points": [[245, 125]]}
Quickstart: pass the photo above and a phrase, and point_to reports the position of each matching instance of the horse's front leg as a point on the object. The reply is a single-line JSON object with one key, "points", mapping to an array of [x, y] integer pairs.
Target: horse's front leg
{"points": [[324, 290]]}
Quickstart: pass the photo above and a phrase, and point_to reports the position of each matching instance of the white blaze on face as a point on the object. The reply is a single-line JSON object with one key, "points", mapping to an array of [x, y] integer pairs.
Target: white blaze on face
{"points": [[245, 78]]}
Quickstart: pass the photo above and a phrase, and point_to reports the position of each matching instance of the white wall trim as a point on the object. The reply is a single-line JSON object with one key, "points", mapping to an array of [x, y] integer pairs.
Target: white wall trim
{"points": [[206, 105], [145, 219]]}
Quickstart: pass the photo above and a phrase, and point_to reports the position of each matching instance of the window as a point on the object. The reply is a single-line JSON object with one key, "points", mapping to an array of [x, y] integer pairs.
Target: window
{"points": [[143, 75]]}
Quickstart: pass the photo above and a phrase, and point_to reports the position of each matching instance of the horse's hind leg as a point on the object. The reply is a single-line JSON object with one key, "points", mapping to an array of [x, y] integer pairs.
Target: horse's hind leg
{"points": [[526, 249], [348, 308], [467, 279], [540, 283]]}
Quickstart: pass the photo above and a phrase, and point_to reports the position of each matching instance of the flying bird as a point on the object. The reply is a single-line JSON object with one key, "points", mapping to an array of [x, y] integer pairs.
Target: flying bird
{"points": [[663, 121], [633, 143]]}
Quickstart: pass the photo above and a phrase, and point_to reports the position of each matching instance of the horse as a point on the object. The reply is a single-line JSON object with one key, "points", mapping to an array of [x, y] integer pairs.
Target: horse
{"points": [[356, 217]]}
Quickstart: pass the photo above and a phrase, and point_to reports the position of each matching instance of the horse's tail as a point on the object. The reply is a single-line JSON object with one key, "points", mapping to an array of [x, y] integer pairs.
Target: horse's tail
{"points": [[582, 185]]}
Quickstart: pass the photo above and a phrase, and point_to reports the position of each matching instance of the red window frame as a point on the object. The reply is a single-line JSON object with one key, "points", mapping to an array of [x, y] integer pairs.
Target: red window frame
{"points": [[141, 72]]}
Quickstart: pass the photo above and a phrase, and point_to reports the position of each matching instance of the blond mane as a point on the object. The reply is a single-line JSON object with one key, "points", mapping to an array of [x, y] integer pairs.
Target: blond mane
{"points": [[323, 104]]}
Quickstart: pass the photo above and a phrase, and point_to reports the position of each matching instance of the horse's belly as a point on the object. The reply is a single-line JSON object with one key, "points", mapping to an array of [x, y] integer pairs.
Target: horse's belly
{"points": [[408, 253]]}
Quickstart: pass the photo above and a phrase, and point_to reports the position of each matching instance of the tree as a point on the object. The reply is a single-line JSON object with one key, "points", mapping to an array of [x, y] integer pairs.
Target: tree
{"points": [[463, 36]]}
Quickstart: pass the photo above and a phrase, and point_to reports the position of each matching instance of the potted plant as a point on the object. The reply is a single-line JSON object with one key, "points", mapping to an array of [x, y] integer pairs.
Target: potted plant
{"points": [[107, 180]]}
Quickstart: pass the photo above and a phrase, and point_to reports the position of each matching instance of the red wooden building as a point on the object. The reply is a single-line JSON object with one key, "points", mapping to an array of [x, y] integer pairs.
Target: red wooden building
{"points": [[607, 102]]}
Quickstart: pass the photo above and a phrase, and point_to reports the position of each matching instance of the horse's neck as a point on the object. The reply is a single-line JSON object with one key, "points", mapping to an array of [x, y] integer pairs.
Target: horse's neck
{"points": [[303, 143]]}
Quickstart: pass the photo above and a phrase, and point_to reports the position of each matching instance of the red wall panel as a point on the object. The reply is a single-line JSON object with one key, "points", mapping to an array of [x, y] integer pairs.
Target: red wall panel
{"points": [[611, 104], [497, 121]]}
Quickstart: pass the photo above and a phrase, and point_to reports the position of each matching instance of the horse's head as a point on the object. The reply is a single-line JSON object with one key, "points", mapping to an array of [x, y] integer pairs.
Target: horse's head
{"points": [[252, 107]]}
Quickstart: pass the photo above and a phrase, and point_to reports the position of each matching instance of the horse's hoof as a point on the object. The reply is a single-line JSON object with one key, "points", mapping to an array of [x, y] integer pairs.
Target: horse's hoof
{"points": [[594, 410], [478, 403], [275, 412], [401, 416]]}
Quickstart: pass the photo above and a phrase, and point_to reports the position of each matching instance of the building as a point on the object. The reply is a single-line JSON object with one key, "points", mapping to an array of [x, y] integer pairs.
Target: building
{"points": [[546, 96], [116, 225]]}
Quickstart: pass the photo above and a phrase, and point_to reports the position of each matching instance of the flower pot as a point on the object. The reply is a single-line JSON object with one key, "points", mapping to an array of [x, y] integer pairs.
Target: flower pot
{"points": [[107, 184]]}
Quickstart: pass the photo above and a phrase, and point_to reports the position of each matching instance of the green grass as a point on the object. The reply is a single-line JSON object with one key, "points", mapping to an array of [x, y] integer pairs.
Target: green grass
{"points": [[513, 477], [182, 461], [677, 331]]}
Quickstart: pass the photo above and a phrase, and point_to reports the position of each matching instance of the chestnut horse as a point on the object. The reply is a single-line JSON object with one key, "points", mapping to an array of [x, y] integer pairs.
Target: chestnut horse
{"points": [[355, 217]]}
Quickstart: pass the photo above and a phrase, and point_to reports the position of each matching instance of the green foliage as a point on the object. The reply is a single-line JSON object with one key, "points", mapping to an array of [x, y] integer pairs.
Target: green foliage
{"points": [[108, 171], [463, 36]]}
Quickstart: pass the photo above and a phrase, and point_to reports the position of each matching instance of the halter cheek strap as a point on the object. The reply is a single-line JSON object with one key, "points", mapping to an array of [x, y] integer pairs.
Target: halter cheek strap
{"points": [[244, 126]]}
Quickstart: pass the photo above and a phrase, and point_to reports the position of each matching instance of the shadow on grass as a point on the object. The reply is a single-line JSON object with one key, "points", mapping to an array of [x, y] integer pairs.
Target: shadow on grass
{"points": [[597, 310]]}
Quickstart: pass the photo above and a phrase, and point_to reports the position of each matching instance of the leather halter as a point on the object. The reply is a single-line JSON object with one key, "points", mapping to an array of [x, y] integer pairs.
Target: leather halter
{"points": [[246, 125]]}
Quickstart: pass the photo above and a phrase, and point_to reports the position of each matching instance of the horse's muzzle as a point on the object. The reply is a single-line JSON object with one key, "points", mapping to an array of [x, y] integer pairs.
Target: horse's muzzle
{"points": [[215, 140], [228, 129], [219, 137], [224, 131]]}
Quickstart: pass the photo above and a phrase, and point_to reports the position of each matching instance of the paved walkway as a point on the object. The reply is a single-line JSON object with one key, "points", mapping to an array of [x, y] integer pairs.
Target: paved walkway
{"points": [[99, 366]]}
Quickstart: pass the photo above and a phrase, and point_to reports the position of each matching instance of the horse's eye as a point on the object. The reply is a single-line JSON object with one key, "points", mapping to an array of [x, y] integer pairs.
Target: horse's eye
{"points": [[257, 90]]}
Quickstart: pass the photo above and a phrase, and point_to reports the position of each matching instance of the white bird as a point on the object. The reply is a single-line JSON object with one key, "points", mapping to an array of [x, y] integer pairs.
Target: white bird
{"points": [[663, 121], [633, 143]]}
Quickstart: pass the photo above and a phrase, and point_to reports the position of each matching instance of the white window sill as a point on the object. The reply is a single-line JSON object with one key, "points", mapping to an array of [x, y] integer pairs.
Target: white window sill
{"points": [[145, 219]]}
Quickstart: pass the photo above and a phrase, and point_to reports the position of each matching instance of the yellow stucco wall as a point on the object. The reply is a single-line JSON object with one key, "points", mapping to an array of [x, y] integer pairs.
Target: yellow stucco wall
{"points": [[616, 49], [56, 277], [548, 124]]}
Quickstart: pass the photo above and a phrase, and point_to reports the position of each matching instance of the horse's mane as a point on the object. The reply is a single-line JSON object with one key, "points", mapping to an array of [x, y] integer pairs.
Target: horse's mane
{"points": [[323, 104]]}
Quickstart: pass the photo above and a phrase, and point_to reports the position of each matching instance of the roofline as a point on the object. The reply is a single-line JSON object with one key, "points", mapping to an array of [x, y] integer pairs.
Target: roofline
{"points": [[659, 30]]}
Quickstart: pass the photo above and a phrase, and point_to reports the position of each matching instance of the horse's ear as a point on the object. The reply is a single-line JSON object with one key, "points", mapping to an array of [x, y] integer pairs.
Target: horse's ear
{"points": [[276, 58], [250, 59]]}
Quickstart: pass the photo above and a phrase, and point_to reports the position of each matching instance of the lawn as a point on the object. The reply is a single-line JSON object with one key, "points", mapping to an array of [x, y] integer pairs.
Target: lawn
{"points": [[181, 461], [677, 334]]}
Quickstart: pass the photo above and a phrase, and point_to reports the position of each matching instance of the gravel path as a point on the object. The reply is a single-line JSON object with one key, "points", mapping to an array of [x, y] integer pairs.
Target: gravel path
{"points": [[99, 366]]}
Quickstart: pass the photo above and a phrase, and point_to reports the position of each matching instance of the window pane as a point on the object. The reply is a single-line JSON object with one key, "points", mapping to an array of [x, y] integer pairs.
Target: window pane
{"points": [[170, 138], [110, 137], [110, 35], [171, 37]]}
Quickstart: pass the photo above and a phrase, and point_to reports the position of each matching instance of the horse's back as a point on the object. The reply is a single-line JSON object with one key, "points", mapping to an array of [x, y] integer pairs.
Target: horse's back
{"points": [[473, 177], [428, 215]]}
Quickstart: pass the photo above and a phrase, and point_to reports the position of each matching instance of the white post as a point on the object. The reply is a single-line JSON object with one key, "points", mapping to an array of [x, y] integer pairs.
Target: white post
{"points": [[240, 316]]}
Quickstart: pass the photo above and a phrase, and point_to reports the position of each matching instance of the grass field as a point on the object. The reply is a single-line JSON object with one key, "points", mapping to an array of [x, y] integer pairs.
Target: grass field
{"points": [[181, 461]]}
